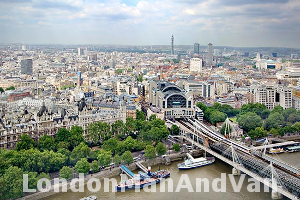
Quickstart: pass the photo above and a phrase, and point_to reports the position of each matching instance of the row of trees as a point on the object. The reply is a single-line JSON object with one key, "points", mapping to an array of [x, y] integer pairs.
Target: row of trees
{"points": [[11, 182], [258, 122], [69, 151], [251, 116], [153, 130], [7, 89]]}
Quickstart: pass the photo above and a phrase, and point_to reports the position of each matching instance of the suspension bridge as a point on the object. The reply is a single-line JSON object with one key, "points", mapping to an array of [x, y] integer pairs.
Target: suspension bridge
{"points": [[281, 177]]}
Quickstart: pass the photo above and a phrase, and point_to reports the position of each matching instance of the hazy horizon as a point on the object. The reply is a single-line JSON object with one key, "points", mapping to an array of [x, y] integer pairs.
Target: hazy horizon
{"points": [[252, 23]]}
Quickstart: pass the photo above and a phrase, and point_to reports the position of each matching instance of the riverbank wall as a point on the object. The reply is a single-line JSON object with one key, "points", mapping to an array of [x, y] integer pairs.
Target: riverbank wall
{"points": [[166, 160]]}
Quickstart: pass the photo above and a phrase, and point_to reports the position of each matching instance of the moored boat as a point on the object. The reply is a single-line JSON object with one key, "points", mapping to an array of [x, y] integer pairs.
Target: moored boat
{"points": [[276, 151], [191, 163], [89, 198], [142, 180]]}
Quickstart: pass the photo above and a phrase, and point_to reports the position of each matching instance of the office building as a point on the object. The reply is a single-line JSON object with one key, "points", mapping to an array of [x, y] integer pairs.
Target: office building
{"points": [[197, 48], [210, 54], [272, 95], [80, 51], [195, 65], [26, 66]]}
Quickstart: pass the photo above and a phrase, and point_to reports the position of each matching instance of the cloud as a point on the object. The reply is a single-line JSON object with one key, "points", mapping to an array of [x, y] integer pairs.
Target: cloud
{"points": [[217, 21]]}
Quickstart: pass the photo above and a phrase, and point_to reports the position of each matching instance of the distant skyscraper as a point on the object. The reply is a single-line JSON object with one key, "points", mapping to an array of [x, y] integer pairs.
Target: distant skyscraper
{"points": [[210, 54], [195, 65], [80, 51], [26, 66], [274, 55], [258, 56], [216, 52], [23, 47], [172, 45], [79, 79], [197, 48]]}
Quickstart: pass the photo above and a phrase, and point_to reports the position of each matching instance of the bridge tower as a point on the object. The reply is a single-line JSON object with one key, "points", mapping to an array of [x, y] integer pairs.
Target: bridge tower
{"points": [[275, 183], [236, 161]]}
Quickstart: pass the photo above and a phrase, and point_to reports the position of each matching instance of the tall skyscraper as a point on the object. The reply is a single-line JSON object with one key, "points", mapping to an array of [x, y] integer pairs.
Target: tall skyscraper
{"points": [[172, 45], [197, 48], [79, 79], [80, 51], [195, 65], [26, 66], [210, 54]]}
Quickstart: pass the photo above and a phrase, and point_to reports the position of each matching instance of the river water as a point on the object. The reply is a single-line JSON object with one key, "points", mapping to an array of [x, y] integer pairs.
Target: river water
{"points": [[210, 172]]}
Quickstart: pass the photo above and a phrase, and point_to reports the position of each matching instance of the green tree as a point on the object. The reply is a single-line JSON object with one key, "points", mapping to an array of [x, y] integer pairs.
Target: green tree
{"points": [[104, 158], [118, 128], [110, 145], [62, 135], [81, 151], [258, 132], [95, 166], [50, 161], [274, 132], [1, 90], [275, 120], [129, 126], [174, 129], [293, 118], [139, 145], [129, 143], [63, 145], [150, 152], [82, 166], [10, 88], [11, 183], [76, 136], [161, 149], [277, 109], [46, 142], [127, 157], [66, 172], [98, 131], [257, 108], [119, 71], [217, 116], [26, 143], [152, 117], [121, 148], [176, 147], [140, 115], [117, 159], [202, 106], [249, 121], [288, 112]]}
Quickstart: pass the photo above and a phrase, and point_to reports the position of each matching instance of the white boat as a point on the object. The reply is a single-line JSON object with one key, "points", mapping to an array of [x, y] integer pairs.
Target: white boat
{"points": [[89, 198], [191, 163], [276, 151]]}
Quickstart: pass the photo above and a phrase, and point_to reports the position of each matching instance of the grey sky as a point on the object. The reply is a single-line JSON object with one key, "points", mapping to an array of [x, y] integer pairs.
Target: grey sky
{"points": [[221, 22]]}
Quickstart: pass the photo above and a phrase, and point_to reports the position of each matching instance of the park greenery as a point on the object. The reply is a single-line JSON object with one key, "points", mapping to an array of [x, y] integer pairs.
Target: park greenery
{"points": [[255, 119], [75, 151]]}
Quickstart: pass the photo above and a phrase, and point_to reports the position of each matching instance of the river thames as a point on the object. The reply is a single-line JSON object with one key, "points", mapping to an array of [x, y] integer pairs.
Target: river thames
{"points": [[210, 172]]}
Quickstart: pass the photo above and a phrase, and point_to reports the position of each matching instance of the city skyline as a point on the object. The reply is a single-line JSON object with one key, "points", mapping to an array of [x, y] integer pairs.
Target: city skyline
{"points": [[225, 23]]}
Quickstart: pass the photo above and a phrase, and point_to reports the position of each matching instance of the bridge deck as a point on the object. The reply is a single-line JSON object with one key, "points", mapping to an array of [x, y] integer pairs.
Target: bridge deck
{"points": [[276, 145]]}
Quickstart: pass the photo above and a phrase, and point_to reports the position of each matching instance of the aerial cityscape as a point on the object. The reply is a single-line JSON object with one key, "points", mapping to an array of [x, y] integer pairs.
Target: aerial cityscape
{"points": [[149, 99]]}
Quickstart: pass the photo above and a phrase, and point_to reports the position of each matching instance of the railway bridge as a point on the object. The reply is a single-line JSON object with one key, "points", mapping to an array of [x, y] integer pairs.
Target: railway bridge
{"points": [[281, 177]]}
